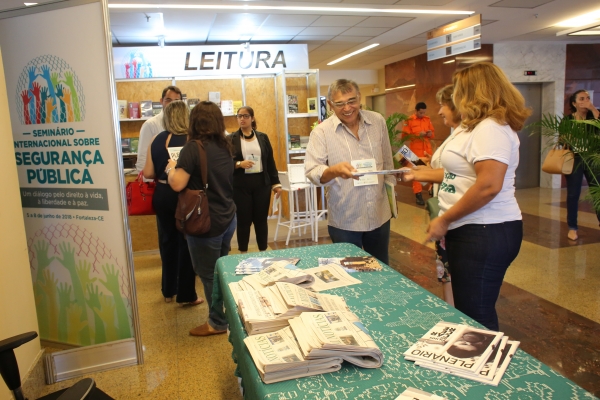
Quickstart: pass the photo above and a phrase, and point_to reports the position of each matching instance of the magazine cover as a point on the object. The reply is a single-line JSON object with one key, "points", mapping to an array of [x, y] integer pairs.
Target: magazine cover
{"points": [[146, 108], [354, 264], [192, 102], [292, 104], [407, 158], [156, 107]]}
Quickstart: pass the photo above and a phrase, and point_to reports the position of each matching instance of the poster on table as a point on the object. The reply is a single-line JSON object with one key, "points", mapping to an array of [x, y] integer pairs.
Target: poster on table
{"points": [[59, 84]]}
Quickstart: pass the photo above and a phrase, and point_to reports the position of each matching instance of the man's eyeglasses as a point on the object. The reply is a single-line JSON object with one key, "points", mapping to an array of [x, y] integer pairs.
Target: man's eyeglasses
{"points": [[341, 104], [243, 116]]}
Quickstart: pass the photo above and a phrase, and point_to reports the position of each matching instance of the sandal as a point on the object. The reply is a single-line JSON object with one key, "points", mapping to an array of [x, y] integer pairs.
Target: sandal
{"points": [[193, 303], [169, 299], [572, 235]]}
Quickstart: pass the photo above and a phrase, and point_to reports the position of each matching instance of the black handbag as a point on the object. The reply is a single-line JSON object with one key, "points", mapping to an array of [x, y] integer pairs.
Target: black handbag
{"points": [[192, 215]]}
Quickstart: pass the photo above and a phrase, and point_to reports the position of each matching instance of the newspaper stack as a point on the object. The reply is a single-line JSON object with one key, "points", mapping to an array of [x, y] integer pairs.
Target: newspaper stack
{"points": [[280, 271], [317, 343], [354, 264], [256, 264], [269, 309], [464, 351], [336, 334]]}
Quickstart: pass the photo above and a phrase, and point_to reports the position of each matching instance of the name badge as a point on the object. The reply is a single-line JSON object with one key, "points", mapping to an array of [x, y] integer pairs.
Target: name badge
{"points": [[256, 167], [366, 165]]}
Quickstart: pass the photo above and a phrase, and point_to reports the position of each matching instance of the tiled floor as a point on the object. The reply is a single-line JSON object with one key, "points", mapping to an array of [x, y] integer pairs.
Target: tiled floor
{"points": [[549, 301]]}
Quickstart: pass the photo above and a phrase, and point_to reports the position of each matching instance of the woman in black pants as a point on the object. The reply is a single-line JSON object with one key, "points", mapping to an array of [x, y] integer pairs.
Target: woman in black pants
{"points": [[254, 176], [178, 276]]}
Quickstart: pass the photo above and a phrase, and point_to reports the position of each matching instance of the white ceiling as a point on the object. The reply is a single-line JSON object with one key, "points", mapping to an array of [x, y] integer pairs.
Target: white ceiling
{"points": [[330, 35]]}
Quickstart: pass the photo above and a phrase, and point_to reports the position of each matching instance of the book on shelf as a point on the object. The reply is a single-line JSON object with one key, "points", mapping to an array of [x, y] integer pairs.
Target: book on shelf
{"points": [[353, 264], [292, 103], [122, 109], [256, 264], [227, 108], [193, 102], [303, 349], [295, 142], [215, 97], [134, 142], [134, 110], [463, 351], [304, 141], [312, 105], [125, 145], [156, 107], [146, 108]]}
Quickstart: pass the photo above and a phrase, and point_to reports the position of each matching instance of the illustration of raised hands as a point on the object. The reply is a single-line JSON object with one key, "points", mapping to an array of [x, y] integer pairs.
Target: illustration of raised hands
{"points": [[59, 91], [48, 286], [112, 280], [112, 284], [25, 97], [35, 90], [41, 253], [75, 324], [106, 312], [69, 79], [68, 256], [84, 269], [54, 79], [32, 75]]}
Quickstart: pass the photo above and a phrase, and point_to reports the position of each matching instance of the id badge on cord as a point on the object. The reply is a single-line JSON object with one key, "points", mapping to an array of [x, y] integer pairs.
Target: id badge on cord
{"points": [[366, 165], [256, 167]]}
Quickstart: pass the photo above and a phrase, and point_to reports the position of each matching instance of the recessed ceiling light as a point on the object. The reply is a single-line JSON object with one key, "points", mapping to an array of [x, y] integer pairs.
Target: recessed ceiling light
{"points": [[585, 33], [336, 10], [580, 20], [29, 4], [353, 53]]}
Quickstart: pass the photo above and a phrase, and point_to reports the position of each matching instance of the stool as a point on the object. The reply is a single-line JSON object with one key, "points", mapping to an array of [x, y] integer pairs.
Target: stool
{"points": [[298, 219]]}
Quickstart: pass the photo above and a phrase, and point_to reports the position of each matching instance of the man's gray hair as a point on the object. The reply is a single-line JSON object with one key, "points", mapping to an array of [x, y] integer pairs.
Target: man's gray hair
{"points": [[342, 85]]}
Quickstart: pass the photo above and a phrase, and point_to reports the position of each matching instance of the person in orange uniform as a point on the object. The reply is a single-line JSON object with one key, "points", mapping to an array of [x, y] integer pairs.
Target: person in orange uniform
{"points": [[419, 129]]}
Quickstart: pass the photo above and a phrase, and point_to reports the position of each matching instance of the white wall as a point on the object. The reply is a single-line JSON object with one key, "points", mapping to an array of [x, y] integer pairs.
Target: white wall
{"points": [[17, 304], [549, 60], [360, 76]]}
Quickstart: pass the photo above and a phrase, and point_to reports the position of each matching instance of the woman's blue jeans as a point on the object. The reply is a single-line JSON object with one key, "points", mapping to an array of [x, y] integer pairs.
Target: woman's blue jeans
{"points": [[205, 252], [375, 242], [479, 256], [574, 181]]}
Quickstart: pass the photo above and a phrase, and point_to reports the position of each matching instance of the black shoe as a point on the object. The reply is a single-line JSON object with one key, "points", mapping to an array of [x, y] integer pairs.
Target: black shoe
{"points": [[420, 201]]}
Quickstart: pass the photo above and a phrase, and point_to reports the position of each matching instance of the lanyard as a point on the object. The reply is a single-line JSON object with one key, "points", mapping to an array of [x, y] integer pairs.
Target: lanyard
{"points": [[370, 145]]}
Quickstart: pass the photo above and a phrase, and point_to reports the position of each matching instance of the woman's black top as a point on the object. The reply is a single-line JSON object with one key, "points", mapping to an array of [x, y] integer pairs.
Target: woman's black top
{"points": [[267, 159], [160, 155], [220, 182]]}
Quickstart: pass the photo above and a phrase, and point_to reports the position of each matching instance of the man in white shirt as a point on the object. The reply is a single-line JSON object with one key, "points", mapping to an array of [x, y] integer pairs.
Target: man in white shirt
{"points": [[154, 126], [359, 210]]}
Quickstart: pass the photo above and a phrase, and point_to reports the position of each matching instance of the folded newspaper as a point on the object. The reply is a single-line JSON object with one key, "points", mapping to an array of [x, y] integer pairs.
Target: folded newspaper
{"points": [[464, 351], [313, 345], [330, 276], [269, 309], [354, 264], [279, 271], [336, 334], [256, 264]]}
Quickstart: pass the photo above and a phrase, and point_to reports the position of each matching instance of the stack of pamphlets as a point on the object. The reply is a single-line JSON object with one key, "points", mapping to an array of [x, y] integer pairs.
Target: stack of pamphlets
{"points": [[462, 350], [257, 264], [269, 309], [315, 343], [330, 276], [280, 271], [354, 264], [416, 394]]}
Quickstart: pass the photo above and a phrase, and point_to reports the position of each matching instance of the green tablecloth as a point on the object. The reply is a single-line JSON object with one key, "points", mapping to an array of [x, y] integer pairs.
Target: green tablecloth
{"points": [[397, 312]]}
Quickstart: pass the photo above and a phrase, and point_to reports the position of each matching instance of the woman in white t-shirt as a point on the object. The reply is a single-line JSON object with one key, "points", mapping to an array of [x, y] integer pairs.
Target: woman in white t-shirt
{"points": [[479, 215]]}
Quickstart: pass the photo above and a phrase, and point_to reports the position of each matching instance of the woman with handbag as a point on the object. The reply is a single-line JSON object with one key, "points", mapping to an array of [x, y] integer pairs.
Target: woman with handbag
{"points": [[208, 127], [581, 109], [178, 276], [254, 177], [479, 215]]}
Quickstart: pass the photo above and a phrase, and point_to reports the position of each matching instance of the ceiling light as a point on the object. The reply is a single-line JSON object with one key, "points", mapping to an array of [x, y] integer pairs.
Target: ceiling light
{"points": [[580, 29], [29, 4], [585, 33], [353, 53], [401, 87], [449, 61], [336, 10], [580, 20]]}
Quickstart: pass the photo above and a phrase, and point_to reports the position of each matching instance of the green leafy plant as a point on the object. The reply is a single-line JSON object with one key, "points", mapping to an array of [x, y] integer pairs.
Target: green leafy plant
{"points": [[394, 133], [584, 137]]}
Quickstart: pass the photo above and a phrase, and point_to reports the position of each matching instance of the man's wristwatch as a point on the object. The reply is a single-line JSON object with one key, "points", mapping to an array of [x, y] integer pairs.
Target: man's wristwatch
{"points": [[238, 164]]}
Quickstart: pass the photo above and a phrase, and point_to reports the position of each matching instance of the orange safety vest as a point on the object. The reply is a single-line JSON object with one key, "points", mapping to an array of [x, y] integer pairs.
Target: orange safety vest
{"points": [[413, 126]]}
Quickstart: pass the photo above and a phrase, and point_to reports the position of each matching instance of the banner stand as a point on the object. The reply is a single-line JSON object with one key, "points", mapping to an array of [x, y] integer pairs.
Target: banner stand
{"points": [[65, 121]]}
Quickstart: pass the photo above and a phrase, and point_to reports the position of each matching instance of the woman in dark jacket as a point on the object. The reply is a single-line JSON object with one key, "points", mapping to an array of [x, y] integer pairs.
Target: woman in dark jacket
{"points": [[254, 177]]}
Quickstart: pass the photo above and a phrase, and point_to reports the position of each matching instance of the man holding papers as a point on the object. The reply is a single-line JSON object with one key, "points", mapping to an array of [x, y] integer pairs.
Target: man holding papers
{"points": [[351, 141]]}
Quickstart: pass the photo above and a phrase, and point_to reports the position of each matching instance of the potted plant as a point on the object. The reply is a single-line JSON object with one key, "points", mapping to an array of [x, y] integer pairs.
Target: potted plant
{"points": [[577, 135], [395, 134]]}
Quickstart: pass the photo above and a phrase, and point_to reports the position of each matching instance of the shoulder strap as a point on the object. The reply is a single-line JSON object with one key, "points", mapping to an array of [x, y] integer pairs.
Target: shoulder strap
{"points": [[203, 165]]}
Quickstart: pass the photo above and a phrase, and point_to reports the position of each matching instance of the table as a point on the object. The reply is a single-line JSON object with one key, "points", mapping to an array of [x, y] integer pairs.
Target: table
{"points": [[397, 312]]}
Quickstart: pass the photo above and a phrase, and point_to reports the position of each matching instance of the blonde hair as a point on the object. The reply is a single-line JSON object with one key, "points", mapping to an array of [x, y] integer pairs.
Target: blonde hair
{"points": [[444, 97], [176, 117], [483, 91]]}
